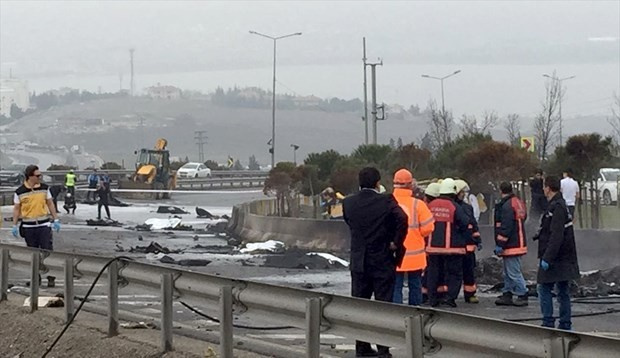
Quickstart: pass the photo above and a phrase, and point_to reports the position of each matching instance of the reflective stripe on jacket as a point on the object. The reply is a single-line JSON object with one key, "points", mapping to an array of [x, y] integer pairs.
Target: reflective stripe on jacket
{"points": [[510, 216], [451, 222], [421, 224]]}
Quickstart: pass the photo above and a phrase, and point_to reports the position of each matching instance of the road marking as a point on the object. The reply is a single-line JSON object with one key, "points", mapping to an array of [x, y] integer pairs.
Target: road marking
{"points": [[291, 336]]}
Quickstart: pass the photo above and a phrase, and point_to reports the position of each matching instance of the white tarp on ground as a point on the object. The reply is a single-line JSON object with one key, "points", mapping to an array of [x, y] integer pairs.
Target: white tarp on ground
{"points": [[271, 245], [331, 258], [159, 224]]}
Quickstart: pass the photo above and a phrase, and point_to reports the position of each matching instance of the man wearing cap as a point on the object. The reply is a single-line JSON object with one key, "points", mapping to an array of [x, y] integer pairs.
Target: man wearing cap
{"points": [[446, 246], [378, 229], [421, 224], [473, 241]]}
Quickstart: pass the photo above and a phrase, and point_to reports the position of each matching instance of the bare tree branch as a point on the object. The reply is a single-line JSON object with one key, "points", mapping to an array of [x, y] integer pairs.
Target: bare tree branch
{"points": [[441, 125], [471, 125], [546, 123], [614, 120], [513, 127]]}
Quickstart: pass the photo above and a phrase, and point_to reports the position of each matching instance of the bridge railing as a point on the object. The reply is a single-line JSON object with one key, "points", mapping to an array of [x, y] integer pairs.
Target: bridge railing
{"points": [[422, 331]]}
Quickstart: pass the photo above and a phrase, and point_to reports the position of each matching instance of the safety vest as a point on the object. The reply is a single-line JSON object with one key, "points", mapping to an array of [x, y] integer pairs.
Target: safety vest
{"points": [[70, 179], [421, 224], [450, 224]]}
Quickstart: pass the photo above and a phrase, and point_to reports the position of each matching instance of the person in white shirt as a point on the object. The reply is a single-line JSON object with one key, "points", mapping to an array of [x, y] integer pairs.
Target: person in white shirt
{"points": [[570, 191]]}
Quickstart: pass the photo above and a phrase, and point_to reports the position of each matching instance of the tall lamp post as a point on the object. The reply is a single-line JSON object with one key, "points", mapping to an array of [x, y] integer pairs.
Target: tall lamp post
{"points": [[295, 147], [273, 100], [443, 105], [560, 80]]}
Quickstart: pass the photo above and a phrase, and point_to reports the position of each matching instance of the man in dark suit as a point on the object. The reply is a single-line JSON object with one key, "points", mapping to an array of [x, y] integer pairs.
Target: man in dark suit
{"points": [[378, 229]]}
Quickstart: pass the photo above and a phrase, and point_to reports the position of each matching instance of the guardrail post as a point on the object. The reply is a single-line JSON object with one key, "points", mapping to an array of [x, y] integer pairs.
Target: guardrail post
{"points": [[113, 299], [414, 333], [226, 322], [313, 327], [69, 296], [34, 281], [4, 274], [556, 347], [166, 312]]}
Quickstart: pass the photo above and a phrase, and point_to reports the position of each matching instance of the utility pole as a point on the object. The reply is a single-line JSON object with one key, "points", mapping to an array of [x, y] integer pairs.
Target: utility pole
{"points": [[132, 84], [441, 79], [272, 150], [201, 140], [373, 78], [365, 94], [120, 81]]}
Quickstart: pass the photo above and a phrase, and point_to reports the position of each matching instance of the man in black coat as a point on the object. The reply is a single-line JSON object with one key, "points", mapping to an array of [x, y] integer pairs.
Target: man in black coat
{"points": [[558, 256], [378, 229]]}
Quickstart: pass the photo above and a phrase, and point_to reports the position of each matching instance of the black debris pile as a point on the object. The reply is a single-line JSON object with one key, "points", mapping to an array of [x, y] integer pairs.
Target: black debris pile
{"points": [[204, 214], [171, 210], [112, 201], [102, 222], [489, 271], [143, 227], [184, 262], [299, 259], [219, 228], [153, 248], [180, 227], [214, 249]]}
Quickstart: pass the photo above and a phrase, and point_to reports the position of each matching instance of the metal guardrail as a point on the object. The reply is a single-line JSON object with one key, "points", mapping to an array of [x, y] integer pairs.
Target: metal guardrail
{"points": [[232, 182], [126, 172], [420, 330]]}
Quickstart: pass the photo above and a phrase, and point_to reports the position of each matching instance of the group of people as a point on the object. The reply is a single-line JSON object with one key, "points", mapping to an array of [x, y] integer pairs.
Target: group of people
{"points": [[98, 187], [430, 243]]}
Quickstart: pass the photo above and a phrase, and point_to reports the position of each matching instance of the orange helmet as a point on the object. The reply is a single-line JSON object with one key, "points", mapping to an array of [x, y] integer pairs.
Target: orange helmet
{"points": [[403, 177]]}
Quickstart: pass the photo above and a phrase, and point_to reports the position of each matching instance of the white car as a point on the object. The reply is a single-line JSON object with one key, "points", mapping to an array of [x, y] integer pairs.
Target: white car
{"points": [[608, 185], [194, 170]]}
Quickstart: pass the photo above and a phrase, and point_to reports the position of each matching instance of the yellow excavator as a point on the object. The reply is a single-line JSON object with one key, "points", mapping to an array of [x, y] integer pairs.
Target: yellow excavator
{"points": [[152, 172]]}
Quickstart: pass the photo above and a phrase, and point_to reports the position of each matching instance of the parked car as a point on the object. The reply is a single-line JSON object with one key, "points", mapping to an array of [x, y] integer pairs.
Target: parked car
{"points": [[608, 185], [12, 175], [194, 170]]}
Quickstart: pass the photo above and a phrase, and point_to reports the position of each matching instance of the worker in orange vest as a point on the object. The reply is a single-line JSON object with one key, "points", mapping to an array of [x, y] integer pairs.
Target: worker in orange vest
{"points": [[421, 225]]}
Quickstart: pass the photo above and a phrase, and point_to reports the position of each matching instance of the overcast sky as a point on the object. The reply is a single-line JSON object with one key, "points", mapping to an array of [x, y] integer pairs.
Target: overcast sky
{"points": [[92, 38]]}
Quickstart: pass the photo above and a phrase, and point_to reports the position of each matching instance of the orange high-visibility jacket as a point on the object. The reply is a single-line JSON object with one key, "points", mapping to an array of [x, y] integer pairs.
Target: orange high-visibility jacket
{"points": [[421, 224]]}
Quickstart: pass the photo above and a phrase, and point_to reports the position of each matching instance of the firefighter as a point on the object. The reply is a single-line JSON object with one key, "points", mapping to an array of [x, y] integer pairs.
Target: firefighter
{"points": [[511, 244], [421, 224], [431, 193], [378, 229], [473, 242], [446, 246]]}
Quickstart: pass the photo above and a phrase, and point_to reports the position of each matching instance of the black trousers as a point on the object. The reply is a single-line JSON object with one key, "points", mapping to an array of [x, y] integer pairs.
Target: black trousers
{"points": [[91, 192], [452, 268], [39, 237], [379, 283], [103, 203], [469, 278]]}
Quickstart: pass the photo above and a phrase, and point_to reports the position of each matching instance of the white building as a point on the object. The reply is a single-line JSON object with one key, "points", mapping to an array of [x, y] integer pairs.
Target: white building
{"points": [[163, 92], [13, 91]]}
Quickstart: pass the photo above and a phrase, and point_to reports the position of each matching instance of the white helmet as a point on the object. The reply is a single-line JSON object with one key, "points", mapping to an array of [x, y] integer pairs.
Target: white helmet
{"points": [[448, 186]]}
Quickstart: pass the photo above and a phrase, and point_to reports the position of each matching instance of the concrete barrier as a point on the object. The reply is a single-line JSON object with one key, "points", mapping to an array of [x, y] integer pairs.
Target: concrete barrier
{"points": [[596, 249]]}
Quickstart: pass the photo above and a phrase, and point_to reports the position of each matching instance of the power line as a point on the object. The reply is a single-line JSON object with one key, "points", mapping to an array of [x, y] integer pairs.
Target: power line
{"points": [[201, 140]]}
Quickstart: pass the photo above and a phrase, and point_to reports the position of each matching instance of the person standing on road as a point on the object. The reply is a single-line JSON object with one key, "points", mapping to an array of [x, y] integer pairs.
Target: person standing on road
{"points": [[93, 180], [557, 253], [473, 242], [70, 181], [570, 191], [421, 224], [539, 201], [55, 190], [103, 190], [446, 246], [378, 229], [33, 205], [510, 241]]}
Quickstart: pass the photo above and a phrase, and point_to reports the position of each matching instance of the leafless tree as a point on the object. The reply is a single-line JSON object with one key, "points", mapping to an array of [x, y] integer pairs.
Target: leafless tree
{"points": [[513, 127], [471, 125], [441, 125], [547, 122], [614, 120]]}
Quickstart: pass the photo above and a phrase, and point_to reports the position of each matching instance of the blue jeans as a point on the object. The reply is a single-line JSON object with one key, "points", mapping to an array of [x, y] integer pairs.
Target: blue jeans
{"points": [[414, 281], [546, 304], [513, 277]]}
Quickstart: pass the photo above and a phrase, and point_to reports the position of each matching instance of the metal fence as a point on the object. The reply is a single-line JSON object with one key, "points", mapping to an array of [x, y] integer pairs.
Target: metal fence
{"points": [[422, 331]]}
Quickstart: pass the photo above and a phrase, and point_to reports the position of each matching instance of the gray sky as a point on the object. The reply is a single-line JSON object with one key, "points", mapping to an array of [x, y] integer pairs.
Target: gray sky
{"points": [[91, 38]]}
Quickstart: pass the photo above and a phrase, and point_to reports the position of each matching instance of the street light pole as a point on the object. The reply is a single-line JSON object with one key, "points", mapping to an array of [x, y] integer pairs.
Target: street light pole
{"points": [[560, 80], [273, 95], [441, 79], [295, 147]]}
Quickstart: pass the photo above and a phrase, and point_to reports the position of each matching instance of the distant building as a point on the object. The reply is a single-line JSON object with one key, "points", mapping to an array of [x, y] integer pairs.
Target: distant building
{"points": [[13, 91], [306, 102], [163, 92], [69, 121]]}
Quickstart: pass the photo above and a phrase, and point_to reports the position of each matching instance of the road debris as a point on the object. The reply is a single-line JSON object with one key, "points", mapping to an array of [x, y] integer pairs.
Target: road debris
{"points": [[138, 325], [204, 214], [153, 248], [103, 222], [271, 246], [46, 302], [171, 210], [162, 224]]}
